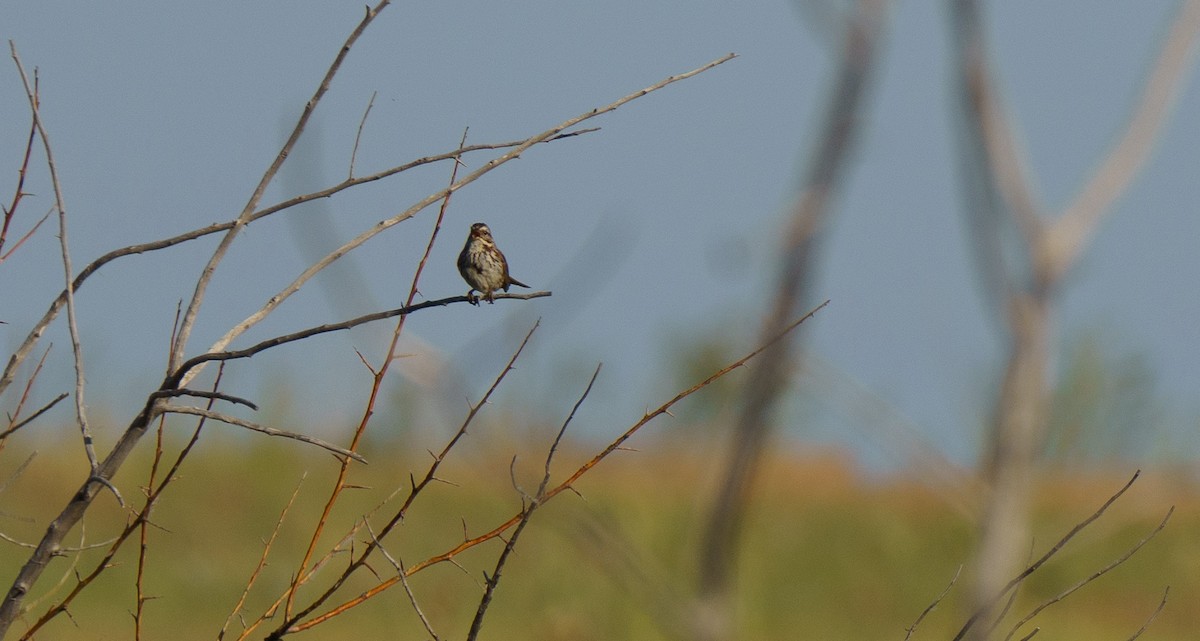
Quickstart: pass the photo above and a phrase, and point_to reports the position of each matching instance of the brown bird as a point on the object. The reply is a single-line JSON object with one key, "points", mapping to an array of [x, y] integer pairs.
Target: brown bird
{"points": [[483, 266]]}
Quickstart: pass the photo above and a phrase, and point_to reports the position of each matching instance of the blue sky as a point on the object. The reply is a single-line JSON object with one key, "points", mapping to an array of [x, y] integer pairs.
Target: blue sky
{"points": [[661, 225]]}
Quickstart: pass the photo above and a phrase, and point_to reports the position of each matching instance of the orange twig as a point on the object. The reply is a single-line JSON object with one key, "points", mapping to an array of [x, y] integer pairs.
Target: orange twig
{"points": [[369, 410]]}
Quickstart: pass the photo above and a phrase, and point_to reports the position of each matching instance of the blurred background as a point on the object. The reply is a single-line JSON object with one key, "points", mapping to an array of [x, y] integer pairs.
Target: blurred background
{"points": [[661, 236]]}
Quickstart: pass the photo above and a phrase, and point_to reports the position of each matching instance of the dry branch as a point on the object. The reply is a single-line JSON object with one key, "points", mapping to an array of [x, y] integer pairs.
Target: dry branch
{"points": [[19, 191], [269, 431], [60, 205], [530, 504]]}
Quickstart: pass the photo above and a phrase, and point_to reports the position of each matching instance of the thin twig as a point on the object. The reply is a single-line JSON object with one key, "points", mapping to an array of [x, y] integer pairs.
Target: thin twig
{"points": [[493, 580], [1095, 575], [269, 431], [1154, 615], [28, 388], [19, 191], [335, 327], [144, 529], [16, 474], [541, 493], [358, 136], [32, 417], [60, 204], [262, 560], [399, 565], [1057, 547], [924, 613], [24, 237], [1009, 602], [81, 548], [220, 396]]}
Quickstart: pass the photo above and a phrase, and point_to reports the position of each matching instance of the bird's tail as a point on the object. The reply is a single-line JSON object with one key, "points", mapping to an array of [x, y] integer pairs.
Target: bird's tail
{"points": [[513, 281]]}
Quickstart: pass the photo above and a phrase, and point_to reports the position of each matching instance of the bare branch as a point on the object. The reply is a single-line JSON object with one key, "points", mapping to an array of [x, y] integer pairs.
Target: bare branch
{"points": [[33, 417], [334, 327], [60, 204], [19, 191], [269, 431], [220, 396]]}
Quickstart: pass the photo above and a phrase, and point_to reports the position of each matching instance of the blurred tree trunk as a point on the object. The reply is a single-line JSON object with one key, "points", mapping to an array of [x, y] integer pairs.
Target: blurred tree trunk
{"points": [[714, 618], [1009, 466], [1001, 206]]}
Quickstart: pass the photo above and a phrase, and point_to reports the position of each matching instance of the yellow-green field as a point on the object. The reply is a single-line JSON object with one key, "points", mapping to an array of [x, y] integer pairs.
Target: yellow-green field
{"points": [[828, 554]]}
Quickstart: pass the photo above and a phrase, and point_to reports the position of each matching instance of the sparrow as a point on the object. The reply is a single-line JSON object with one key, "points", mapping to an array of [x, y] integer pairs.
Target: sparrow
{"points": [[483, 266]]}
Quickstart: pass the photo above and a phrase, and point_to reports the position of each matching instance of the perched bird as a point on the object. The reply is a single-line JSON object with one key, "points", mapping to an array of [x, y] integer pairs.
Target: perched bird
{"points": [[483, 266]]}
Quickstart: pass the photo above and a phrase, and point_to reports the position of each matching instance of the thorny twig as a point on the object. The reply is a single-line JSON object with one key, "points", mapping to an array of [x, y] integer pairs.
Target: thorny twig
{"points": [[530, 504], [376, 385]]}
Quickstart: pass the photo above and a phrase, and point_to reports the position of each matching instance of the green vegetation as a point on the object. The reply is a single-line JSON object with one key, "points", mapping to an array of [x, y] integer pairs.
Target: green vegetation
{"points": [[828, 554]]}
